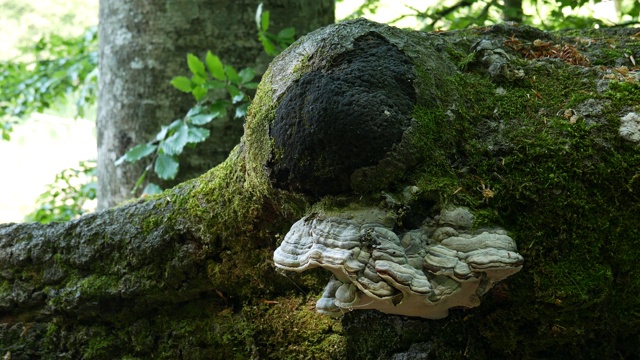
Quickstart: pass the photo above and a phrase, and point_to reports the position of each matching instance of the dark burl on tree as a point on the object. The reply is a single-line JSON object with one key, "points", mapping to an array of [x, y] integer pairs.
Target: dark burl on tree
{"points": [[342, 116]]}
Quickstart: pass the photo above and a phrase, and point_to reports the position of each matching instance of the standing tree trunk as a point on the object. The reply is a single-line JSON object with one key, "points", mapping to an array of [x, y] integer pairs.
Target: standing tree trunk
{"points": [[363, 123], [512, 11], [143, 45]]}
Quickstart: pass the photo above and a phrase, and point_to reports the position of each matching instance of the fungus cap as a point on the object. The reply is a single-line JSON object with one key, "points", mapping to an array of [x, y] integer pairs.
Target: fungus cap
{"points": [[421, 275]]}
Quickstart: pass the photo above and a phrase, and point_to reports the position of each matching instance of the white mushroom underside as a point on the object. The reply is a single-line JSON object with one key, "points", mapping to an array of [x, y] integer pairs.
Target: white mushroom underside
{"points": [[418, 276]]}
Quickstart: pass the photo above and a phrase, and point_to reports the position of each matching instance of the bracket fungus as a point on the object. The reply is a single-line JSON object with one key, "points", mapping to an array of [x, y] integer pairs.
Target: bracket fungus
{"points": [[422, 272]]}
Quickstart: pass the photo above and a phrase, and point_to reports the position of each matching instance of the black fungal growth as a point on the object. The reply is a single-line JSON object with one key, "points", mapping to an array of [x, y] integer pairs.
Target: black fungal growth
{"points": [[336, 120]]}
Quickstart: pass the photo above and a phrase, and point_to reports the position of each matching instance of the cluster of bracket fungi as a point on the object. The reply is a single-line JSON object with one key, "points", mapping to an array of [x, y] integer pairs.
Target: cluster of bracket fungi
{"points": [[422, 272]]}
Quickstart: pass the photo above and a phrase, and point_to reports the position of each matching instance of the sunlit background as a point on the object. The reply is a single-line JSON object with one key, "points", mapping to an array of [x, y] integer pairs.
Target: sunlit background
{"points": [[48, 143]]}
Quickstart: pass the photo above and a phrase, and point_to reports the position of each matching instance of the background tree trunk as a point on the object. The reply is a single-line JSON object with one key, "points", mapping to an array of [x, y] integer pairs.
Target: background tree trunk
{"points": [[188, 273], [512, 11], [143, 45]]}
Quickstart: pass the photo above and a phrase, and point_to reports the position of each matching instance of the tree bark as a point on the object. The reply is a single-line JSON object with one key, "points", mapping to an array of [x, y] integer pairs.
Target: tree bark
{"points": [[143, 45], [512, 11], [503, 120]]}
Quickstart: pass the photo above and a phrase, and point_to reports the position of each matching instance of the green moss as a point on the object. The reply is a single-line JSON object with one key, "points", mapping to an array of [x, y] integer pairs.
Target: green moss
{"points": [[49, 337], [98, 285], [5, 288], [100, 344], [278, 328], [299, 331], [151, 223], [260, 145], [623, 93], [561, 189]]}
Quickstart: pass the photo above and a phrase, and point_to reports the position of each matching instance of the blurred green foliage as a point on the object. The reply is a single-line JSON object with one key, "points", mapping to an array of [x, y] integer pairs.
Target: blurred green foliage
{"points": [[544, 14], [66, 197], [56, 67]]}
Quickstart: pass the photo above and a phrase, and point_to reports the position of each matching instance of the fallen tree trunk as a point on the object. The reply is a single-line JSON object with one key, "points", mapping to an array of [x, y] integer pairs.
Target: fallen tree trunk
{"points": [[533, 132]]}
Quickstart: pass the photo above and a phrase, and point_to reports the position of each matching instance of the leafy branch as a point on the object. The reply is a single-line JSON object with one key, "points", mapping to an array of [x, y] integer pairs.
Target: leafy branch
{"points": [[208, 79], [172, 139], [273, 44]]}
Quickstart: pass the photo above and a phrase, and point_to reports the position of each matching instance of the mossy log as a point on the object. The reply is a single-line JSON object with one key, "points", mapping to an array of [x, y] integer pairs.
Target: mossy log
{"points": [[534, 132]]}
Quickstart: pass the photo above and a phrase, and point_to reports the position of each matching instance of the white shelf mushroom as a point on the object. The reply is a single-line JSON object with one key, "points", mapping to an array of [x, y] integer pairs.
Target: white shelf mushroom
{"points": [[420, 275]]}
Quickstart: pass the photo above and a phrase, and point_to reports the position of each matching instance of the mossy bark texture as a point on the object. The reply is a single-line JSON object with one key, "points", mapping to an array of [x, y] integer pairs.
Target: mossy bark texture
{"points": [[532, 131]]}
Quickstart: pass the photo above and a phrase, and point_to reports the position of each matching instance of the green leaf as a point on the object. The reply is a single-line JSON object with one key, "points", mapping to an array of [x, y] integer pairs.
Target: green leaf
{"points": [[236, 94], [241, 110], [219, 108], [197, 135], [152, 189], [136, 153], [166, 167], [287, 33], [202, 119], [199, 92], [198, 80], [246, 75], [162, 133], [215, 66], [174, 144], [175, 125], [264, 21], [215, 84], [140, 180], [196, 109], [268, 45], [232, 75], [170, 129], [195, 65], [251, 85], [181, 83], [238, 98]]}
